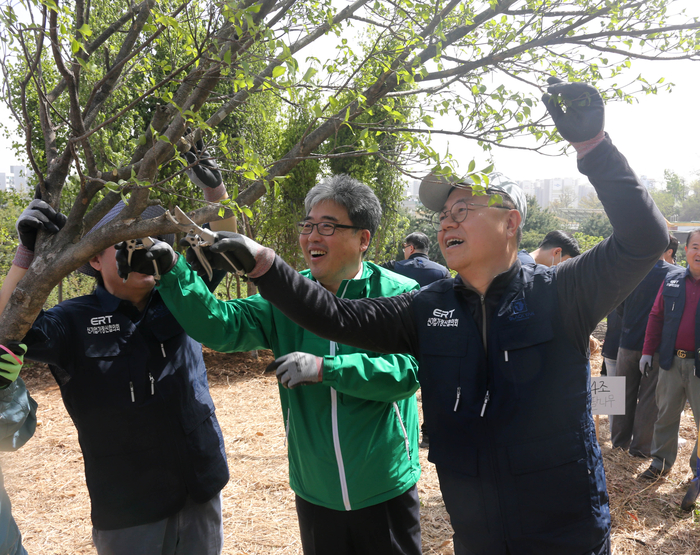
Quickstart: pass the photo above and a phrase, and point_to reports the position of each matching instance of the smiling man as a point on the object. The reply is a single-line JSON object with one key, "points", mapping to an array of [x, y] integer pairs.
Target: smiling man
{"points": [[673, 331], [503, 347], [352, 436]]}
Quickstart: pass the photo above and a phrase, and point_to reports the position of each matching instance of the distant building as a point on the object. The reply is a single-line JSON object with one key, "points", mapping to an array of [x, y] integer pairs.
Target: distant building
{"points": [[18, 179]]}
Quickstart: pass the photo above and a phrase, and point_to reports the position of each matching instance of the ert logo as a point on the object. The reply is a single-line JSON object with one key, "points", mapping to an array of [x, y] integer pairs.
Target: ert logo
{"points": [[101, 320]]}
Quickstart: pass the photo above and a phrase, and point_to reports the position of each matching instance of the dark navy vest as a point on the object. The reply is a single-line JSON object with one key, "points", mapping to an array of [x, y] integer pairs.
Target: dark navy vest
{"points": [[137, 392], [674, 303], [528, 452]]}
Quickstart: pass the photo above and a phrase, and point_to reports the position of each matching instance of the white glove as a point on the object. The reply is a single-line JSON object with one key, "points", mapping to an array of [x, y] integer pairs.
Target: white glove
{"points": [[645, 364], [297, 369]]}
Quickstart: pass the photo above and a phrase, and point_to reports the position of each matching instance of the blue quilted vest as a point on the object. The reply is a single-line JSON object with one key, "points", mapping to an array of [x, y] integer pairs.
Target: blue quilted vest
{"points": [[515, 420]]}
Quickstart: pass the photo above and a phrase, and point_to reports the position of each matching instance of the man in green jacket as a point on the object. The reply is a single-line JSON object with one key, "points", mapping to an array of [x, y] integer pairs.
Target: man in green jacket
{"points": [[352, 437]]}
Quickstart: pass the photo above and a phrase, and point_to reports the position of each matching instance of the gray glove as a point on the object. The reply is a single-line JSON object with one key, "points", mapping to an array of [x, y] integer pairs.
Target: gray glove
{"points": [[297, 369], [205, 173], [584, 117], [246, 255], [142, 260], [38, 215], [645, 364]]}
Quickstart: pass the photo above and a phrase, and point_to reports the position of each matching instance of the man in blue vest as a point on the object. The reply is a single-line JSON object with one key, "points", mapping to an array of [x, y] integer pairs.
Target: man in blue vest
{"points": [[416, 264], [502, 348], [634, 429], [136, 388], [674, 331]]}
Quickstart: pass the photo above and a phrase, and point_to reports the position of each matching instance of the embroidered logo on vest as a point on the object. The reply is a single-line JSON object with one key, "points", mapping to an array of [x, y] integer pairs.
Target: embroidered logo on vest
{"points": [[443, 319], [102, 324], [519, 310], [673, 283]]}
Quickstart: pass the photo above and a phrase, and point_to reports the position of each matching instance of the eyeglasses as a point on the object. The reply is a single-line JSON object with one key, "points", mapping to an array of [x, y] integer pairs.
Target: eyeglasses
{"points": [[406, 245], [458, 212], [324, 228]]}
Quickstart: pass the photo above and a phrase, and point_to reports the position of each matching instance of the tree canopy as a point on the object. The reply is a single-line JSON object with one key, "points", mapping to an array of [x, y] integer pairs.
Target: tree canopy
{"points": [[103, 94]]}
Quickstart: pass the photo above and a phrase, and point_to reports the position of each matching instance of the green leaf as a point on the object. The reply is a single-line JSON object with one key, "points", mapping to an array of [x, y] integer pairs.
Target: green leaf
{"points": [[279, 70]]}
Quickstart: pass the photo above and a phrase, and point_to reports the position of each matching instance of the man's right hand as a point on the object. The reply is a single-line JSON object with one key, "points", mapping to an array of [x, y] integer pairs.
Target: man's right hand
{"points": [[142, 260], [247, 255], [38, 215], [645, 364]]}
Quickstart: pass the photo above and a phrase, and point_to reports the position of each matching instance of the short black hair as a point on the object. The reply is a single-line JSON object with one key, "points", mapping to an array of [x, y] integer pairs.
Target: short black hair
{"points": [[672, 245], [690, 234], [419, 241], [562, 239]]}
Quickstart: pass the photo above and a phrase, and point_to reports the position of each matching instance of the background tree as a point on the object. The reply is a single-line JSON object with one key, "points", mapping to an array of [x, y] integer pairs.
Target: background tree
{"points": [[538, 223], [81, 78], [598, 225]]}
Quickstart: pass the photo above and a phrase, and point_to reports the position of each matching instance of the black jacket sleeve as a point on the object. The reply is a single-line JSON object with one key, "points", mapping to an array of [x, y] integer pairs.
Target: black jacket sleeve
{"points": [[591, 285], [382, 325]]}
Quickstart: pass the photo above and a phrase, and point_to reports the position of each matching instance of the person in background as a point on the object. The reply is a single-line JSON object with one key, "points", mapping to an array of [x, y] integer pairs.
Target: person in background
{"points": [[611, 344], [416, 264], [136, 388], [633, 430], [556, 247], [673, 330]]}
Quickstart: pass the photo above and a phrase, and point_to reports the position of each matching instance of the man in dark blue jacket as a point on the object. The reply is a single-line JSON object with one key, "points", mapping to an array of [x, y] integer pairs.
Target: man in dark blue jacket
{"points": [[416, 264], [135, 386], [634, 429], [503, 347]]}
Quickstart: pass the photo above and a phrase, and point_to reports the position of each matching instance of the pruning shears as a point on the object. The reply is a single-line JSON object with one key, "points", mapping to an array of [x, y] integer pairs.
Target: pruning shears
{"points": [[198, 238], [133, 245]]}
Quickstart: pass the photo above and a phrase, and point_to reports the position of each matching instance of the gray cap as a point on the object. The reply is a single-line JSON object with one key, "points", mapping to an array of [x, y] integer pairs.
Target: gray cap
{"points": [[150, 212], [434, 190]]}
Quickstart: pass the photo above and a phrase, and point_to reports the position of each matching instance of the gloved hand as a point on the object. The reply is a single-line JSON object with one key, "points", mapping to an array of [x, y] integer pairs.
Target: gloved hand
{"points": [[142, 259], [584, 119], [38, 215], [645, 364], [297, 369], [205, 174], [11, 361], [246, 254]]}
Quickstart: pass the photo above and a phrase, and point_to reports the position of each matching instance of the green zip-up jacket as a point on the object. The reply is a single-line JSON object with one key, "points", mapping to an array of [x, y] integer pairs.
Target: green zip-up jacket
{"points": [[352, 439]]}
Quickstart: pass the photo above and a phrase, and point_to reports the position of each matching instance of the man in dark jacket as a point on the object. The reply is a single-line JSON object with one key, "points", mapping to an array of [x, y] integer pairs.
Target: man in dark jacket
{"points": [[634, 429], [503, 347], [136, 388], [673, 332], [416, 264]]}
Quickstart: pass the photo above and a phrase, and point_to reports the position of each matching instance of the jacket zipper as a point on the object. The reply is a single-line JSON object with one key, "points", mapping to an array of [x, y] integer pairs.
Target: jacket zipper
{"points": [[336, 443], [483, 340], [403, 431]]}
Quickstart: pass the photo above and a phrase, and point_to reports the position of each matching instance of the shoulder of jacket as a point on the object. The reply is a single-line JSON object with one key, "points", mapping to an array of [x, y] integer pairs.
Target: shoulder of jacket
{"points": [[388, 277]]}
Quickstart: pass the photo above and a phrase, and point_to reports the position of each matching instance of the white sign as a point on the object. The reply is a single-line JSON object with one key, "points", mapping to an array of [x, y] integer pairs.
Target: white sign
{"points": [[608, 395]]}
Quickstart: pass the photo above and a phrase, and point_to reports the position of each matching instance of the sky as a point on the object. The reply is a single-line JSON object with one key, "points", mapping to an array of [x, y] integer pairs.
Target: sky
{"points": [[656, 133]]}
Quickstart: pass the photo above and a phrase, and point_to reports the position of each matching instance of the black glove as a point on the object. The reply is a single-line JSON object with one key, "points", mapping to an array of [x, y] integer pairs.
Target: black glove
{"points": [[584, 117], [145, 260], [38, 215], [297, 368], [204, 174], [241, 250]]}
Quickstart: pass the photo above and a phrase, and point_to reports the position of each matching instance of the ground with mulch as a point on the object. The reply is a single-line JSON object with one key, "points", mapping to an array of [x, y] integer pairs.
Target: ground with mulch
{"points": [[50, 501]]}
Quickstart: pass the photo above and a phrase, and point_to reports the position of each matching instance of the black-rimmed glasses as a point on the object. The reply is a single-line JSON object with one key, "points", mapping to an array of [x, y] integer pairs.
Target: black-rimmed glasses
{"points": [[324, 228], [458, 212]]}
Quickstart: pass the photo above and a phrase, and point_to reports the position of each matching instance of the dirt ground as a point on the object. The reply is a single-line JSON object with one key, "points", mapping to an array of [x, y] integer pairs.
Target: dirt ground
{"points": [[50, 502]]}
